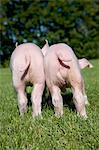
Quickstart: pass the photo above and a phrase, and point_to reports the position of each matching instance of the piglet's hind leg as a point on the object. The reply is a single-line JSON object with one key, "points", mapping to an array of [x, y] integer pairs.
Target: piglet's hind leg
{"points": [[79, 102], [22, 99], [57, 101], [37, 99]]}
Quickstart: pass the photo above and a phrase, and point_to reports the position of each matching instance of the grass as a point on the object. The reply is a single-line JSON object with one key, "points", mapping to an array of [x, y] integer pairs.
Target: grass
{"points": [[67, 133]]}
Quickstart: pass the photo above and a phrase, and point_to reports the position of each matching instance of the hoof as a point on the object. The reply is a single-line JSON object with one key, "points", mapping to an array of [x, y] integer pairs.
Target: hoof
{"points": [[58, 114], [23, 111], [37, 116], [85, 117]]}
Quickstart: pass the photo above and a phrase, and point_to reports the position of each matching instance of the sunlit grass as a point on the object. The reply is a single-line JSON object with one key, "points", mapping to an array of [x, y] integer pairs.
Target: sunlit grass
{"points": [[49, 133]]}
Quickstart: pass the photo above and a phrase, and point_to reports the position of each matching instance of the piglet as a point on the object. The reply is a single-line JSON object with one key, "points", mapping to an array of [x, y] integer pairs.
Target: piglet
{"points": [[27, 68], [63, 69]]}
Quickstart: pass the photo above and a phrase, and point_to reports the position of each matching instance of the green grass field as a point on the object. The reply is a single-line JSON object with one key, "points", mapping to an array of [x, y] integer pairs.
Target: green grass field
{"points": [[49, 133]]}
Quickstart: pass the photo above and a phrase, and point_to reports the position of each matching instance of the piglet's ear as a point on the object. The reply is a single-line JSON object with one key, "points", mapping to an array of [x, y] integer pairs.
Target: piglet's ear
{"points": [[84, 63], [45, 48]]}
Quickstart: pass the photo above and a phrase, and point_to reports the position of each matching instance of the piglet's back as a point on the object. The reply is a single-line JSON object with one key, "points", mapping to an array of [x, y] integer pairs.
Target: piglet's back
{"points": [[27, 48]]}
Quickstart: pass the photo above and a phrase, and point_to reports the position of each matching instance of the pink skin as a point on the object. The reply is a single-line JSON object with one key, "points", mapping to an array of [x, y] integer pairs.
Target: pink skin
{"points": [[27, 67], [67, 75]]}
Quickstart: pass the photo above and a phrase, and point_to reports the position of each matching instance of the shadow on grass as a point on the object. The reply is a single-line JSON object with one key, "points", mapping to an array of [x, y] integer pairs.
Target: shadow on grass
{"points": [[47, 100], [68, 101], [29, 99]]}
